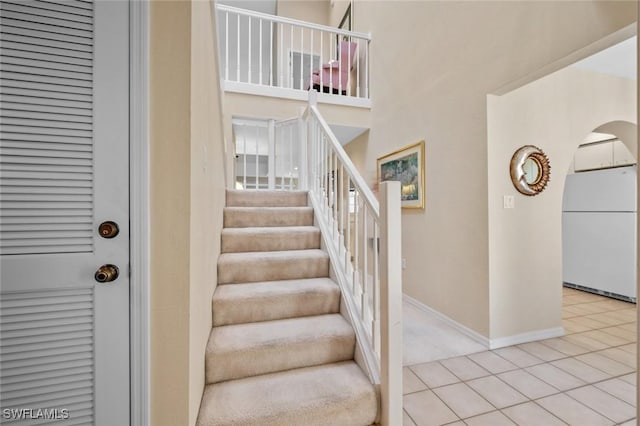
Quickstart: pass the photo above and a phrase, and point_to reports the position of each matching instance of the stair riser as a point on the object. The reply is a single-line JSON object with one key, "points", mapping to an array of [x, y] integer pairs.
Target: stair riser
{"points": [[232, 243], [247, 198], [272, 270], [268, 308], [236, 218], [278, 357]]}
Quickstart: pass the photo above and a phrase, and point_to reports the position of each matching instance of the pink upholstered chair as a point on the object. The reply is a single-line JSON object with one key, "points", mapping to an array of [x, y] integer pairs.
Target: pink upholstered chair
{"points": [[334, 76]]}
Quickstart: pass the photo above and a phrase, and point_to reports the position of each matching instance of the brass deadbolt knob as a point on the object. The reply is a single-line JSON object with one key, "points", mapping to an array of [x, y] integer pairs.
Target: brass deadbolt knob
{"points": [[107, 273]]}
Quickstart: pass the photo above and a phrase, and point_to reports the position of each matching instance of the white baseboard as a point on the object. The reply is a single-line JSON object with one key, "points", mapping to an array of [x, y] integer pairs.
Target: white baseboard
{"points": [[500, 342], [461, 328], [530, 336]]}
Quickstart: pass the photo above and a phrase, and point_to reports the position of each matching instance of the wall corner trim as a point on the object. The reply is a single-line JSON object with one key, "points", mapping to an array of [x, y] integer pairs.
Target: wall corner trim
{"points": [[530, 336], [456, 325], [140, 386]]}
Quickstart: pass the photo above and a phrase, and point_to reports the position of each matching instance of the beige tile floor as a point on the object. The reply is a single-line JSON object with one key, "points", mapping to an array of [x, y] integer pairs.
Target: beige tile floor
{"points": [[584, 378]]}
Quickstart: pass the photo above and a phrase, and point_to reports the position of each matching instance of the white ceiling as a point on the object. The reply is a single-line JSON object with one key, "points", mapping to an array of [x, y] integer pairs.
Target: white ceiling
{"points": [[619, 60], [346, 134]]}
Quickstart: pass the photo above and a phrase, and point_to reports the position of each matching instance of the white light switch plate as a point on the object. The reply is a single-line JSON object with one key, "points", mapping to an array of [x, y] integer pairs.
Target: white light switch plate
{"points": [[509, 202]]}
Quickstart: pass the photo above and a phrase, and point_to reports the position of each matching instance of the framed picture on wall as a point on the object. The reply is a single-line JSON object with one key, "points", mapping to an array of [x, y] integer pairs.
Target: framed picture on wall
{"points": [[406, 165]]}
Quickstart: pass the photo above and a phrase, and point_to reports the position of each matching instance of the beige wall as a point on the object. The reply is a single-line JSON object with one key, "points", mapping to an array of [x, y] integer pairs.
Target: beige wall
{"points": [[638, 201], [432, 65], [337, 11], [315, 11], [555, 113], [187, 196], [357, 150], [170, 82], [207, 190]]}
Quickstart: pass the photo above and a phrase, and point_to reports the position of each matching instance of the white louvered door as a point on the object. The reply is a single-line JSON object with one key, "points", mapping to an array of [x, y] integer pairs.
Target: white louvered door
{"points": [[64, 167]]}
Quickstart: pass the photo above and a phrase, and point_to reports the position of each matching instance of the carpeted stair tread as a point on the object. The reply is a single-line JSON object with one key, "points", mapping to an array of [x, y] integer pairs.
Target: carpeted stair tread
{"points": [[279, 353], [261, 198], [244, 350], [272, 300], [253, 239], [272, 266], [242, 217], [328, 395]]}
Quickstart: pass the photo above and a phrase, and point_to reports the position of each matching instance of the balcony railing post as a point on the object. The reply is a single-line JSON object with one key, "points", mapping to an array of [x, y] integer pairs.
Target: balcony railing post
{"points": [[358, 68], [366, 70], [226, 48], [303, 171], [249, 51], [313, 98], [271, 154], [390, 304], [238, 49]]}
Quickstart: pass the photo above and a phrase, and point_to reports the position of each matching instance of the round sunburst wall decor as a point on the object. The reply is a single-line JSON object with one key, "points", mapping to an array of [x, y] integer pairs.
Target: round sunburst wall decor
{"points": [[530, 170]]}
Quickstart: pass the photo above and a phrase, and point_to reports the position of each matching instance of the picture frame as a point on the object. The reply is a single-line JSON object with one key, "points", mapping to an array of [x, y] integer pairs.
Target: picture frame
{"points": [[405, 165]]}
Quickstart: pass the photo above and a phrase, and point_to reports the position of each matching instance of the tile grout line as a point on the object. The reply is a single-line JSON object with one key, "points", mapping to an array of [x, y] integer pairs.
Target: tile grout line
{"points": [[465, 384], [537, 405], [565, 356], [576, 377], [590, 350], [589, 408], [559, 391], [407, 413]]}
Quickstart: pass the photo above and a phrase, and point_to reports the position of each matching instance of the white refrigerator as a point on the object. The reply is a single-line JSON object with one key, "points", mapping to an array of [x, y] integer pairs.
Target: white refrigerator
{"points": [[599, 232]]}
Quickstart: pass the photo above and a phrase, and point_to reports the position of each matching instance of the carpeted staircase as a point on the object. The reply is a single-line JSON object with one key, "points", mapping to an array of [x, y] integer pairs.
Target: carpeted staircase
{"points": [[280, 353]]}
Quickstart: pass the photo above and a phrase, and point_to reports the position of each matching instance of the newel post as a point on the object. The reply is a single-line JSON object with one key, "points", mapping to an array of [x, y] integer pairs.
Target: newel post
{"points": [[306, 153], [303, 170], [390, 304]]}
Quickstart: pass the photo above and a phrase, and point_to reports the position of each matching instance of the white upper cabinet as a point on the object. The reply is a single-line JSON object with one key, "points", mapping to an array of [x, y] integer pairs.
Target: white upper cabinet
{"points": [[621, 154], [594, 156], [602, 151]]}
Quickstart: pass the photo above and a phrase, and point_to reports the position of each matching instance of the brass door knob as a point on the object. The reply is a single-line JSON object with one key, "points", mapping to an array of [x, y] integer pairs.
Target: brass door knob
{"points": [[107, 273], [108, 229]]}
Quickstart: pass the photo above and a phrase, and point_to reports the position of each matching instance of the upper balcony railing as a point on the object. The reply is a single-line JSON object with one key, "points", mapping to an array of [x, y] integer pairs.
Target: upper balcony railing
{"points": [[277, 56]]}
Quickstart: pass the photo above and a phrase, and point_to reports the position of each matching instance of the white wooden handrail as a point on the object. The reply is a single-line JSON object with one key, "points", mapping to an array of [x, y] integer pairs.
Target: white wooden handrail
{"points": [[278, 56], [294, 22], [362, 237], [368, 196]]}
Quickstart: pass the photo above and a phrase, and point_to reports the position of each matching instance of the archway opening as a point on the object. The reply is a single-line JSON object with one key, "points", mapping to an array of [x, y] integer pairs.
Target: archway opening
{"points": [[599, 214]]}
